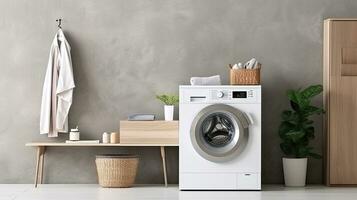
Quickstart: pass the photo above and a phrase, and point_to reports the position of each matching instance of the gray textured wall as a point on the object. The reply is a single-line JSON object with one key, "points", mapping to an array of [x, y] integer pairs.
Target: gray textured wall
{"points": [[125, 51]]}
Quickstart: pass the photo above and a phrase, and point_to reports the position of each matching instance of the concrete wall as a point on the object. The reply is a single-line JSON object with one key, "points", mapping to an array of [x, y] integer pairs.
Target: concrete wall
{"points": [[125, 51]]}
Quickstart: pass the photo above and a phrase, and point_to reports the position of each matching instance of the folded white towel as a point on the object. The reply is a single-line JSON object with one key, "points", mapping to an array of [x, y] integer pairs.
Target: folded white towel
{"points": [[211, 80], [251, 63]]}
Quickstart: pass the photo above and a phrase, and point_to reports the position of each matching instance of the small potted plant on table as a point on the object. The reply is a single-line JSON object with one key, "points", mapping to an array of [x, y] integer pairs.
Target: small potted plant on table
{"points": [[295, 131], [170, 101]]}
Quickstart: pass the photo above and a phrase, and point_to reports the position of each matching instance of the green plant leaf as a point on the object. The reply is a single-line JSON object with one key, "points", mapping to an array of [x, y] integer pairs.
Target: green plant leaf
{"points": [[292, 96], [297, 101], [286, 114], [284, 128], [168, 99], [295, 106], [315, 155], [295, 135], [310, 110], [290, 116], [312, 91], [286, 148], [303, 151]]}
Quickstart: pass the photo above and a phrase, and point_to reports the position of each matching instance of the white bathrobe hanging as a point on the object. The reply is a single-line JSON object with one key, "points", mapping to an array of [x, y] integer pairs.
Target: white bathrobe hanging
{"points": [[57, 88]]}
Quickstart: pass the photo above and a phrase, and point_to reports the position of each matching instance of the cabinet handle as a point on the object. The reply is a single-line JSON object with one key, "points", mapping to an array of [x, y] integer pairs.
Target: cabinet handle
{"points": [[349, 61], [349, 69]]}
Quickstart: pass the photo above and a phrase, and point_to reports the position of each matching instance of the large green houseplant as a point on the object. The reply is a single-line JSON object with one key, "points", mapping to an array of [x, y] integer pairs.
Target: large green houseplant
{"points": [[296, 131]]}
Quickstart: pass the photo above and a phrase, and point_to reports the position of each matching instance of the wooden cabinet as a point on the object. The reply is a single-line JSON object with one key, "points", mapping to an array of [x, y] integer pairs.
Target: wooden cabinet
{"points": [[149, 132], [340, 100]]}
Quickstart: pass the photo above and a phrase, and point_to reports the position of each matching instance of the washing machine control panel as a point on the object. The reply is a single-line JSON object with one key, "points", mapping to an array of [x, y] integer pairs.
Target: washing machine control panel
{"points": [[220, 94], [233, 95]]}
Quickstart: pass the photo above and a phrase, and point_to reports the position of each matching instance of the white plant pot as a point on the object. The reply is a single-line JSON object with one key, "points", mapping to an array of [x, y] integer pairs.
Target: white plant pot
{"points": [[295, 171], [169, 112]]}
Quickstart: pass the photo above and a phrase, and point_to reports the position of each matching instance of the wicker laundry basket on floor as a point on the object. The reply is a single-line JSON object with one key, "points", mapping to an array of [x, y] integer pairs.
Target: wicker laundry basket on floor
{"points": [[117, 170]]}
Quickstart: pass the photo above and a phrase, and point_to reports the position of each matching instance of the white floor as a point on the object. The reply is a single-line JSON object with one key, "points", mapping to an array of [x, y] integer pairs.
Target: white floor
{"points": [[89, 192]]}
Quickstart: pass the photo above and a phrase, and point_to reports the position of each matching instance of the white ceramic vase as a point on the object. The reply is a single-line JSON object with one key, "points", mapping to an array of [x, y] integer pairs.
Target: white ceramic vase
{"points": [[295, 171], [169, 112]]}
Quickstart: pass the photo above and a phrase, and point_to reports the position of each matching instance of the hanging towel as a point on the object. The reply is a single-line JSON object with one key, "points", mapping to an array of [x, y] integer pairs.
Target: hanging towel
{"points": [[211, 80], [57, 88]]}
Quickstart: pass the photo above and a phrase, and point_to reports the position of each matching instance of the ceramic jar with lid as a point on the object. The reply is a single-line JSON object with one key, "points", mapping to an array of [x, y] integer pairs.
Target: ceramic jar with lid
{"points": [[74, 134]]}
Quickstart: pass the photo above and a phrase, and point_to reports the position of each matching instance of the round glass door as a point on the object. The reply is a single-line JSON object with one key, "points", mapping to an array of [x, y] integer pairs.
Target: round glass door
{"points": [[219, 132]]}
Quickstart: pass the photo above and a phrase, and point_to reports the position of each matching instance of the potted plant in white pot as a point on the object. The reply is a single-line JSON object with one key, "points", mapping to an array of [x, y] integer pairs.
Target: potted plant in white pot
{"points": [[170, 101], [295, 131]]}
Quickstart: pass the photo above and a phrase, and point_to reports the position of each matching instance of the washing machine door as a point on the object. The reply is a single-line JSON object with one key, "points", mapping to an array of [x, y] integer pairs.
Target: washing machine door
{"points": [[220, 132]]}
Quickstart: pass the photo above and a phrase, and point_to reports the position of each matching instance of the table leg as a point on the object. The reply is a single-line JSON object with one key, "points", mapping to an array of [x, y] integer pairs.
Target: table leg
{"points": [[162, 150], [42, 163], [37, 164]]}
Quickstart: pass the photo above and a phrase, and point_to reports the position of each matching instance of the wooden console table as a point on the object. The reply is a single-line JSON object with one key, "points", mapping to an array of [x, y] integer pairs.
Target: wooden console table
{"points": [[41, 149]]}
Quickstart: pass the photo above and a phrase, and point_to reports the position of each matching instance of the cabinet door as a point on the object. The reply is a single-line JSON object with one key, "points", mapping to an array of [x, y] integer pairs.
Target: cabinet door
{"points": [[342, 102]]}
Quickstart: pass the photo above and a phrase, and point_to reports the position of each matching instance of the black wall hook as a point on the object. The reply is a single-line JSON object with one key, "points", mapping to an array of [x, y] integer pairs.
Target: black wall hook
{"points": [[59, 22]]}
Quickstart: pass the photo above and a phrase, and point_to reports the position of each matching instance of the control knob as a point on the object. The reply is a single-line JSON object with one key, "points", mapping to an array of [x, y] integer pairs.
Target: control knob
{"points": [[220, 94]]}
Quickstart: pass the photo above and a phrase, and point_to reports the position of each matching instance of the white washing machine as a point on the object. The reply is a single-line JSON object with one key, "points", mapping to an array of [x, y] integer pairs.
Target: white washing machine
{"points": [[220, 138]]}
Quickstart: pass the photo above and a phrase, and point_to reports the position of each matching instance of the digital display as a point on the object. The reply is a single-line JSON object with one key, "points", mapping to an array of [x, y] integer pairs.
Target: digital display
{"points": [[239, 94]]}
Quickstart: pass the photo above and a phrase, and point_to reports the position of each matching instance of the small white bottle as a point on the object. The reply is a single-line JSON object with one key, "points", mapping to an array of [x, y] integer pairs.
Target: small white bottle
{"points": [[106, 138]]}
